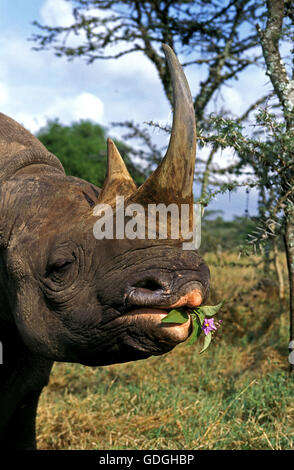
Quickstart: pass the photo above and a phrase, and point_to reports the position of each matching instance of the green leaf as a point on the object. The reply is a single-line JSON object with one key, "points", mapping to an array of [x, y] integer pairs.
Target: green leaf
{"points": [[195, 333], [176, 316], [207, 341], [200, 316], [209, 310]]}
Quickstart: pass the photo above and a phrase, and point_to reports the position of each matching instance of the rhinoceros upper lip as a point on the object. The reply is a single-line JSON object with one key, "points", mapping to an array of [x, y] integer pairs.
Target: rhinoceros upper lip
{"points": [[192, 298]]}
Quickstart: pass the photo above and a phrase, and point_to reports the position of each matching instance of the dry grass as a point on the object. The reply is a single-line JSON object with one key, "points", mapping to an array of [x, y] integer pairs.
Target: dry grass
{"points": [[236, 396]]}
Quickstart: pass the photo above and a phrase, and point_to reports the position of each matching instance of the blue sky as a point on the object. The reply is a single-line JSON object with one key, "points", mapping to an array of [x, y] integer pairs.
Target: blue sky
{"points": [[37, 86]]}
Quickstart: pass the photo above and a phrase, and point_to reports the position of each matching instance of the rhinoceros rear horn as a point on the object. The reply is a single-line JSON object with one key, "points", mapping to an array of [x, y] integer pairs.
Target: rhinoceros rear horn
{"points": [[172, 181], [118, 180]]}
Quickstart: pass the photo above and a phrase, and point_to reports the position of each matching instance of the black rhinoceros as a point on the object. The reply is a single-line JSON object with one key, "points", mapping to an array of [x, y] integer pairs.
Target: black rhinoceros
{"points": [[67, 296]]}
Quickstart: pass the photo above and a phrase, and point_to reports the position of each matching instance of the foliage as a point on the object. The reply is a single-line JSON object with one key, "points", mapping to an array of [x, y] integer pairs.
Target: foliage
{"points": [[219, 235], [81, 148], [198, 317]]}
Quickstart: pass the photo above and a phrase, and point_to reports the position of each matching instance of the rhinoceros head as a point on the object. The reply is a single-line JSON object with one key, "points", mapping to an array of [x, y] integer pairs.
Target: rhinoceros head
{"points": [[100, 301]]}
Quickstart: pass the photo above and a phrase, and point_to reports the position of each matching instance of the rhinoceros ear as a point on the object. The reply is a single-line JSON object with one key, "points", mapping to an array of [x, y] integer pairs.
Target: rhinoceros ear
{"points": [[118, 180]]}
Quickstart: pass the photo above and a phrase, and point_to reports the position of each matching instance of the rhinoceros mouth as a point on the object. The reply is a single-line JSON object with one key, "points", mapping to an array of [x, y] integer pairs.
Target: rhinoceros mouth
{"points": [[148, 318], [149, 321]]}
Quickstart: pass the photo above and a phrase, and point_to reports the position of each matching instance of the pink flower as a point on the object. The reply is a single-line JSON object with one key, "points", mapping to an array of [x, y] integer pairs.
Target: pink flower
{"points": [[208, 325]]}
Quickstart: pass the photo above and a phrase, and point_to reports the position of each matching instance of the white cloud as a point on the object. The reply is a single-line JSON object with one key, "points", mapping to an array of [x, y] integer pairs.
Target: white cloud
{"points": [[69, 109], [56, 13], [31, 123], [82, 106]]}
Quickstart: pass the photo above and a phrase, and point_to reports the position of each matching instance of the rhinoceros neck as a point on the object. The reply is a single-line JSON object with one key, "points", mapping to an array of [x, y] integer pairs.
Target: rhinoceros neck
{"points": [[21, 151]]}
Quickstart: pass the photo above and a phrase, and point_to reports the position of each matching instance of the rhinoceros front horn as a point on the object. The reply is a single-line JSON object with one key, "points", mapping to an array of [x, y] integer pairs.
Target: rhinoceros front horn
{"points": [[173, 179]]}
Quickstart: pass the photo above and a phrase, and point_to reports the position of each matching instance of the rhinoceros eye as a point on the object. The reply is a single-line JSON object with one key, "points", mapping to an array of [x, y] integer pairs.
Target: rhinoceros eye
{"points": [[60, 265]]}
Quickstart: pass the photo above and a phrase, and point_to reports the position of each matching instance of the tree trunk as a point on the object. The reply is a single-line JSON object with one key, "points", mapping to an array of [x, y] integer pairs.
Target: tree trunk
{"points": [[289, 244], [279, 271]]}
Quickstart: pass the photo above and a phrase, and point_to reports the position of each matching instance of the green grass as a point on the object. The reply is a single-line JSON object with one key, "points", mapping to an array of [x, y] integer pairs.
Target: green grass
{"points": [[237, 395]]}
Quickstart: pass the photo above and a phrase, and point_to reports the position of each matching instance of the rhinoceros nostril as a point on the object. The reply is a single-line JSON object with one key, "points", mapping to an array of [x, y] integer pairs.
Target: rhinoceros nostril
{"points": [[149, 284], [147, 292]]}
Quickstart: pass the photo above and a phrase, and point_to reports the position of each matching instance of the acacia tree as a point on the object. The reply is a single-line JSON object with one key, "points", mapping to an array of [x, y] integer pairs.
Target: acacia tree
{"points": [[218, 36], [283, 85], [271, 153]]}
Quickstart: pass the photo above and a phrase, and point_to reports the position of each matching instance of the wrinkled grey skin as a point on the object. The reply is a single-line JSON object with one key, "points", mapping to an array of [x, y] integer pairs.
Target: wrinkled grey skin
{"points": [[65, 296]]}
